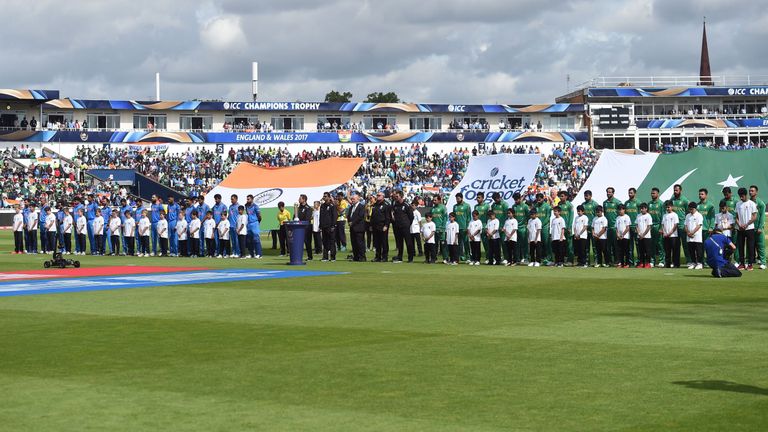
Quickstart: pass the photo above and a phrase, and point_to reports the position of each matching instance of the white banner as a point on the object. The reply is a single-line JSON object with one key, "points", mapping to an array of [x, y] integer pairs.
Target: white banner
{"points": [[503, 173]]}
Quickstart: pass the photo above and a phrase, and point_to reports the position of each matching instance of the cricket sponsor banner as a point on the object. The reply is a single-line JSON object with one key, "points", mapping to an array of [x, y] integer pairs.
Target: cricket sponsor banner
{"points": [[503, 173]]}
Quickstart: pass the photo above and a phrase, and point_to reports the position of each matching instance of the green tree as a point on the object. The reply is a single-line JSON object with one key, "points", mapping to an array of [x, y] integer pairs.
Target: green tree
{"points": [[379, 97], [334, 96]]}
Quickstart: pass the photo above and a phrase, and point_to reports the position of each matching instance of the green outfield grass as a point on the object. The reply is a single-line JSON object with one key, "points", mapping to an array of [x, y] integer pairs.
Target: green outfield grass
{"points": [[389, 347]]}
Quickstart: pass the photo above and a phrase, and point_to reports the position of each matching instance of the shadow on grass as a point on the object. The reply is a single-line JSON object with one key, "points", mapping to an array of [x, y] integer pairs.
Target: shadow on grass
{"points": [[700, 276], [723, 386]]}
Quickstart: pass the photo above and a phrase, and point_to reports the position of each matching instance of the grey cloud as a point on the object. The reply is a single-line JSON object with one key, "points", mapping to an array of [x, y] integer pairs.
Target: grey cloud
{"points": [[436, 51]]}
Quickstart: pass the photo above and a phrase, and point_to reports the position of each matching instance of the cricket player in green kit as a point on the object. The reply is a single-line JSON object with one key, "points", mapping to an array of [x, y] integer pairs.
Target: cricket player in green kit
{"points": [[544, 211], [521, 214], [707, 210], [499, 208], [590, 207], [566, 212], [656, 210], [482, 208], [463, 215], [680, 206], [631, 210], [731, 204], [759, 226], [439, 216], [610, 211]]}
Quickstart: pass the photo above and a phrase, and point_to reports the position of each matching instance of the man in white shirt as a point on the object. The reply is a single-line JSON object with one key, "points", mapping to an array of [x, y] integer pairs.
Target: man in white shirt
{"points": [[644, 227], [669, 223], [129, 233], [724, 219], [693, 224], [623, 226], [416, 227], [534, 239], [494, 242], [746, 215], [144, 231], [557, 236], [81, 231], [600, 237], [18, 231], [162, 233], [225, 250], [181, 236], [66, 229], [428, 234], [581, 236], [32, 222], [510, 236]]}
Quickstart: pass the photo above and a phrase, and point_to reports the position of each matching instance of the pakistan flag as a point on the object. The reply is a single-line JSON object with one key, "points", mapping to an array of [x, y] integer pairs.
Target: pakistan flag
{"points": [[694, 169]]}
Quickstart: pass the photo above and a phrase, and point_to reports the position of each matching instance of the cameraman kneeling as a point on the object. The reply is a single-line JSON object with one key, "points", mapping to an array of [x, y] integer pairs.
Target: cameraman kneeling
{"points": [[719, 249]]}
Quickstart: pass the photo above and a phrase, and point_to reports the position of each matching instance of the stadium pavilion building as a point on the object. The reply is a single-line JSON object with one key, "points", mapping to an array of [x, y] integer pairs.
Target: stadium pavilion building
{"points": [[626, 113]]}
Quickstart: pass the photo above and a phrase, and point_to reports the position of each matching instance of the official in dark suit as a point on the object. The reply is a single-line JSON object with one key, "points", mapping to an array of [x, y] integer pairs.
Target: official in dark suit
{"points": [[304, 213], [381, 217], [328, 216], [356, 220]]}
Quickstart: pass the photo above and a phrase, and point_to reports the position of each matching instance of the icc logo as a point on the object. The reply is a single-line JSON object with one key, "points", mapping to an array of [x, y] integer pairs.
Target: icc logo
{"points": [[226, 105], [460, 136], [456, 108], [731, 91], [83, 136], [494, 172]]}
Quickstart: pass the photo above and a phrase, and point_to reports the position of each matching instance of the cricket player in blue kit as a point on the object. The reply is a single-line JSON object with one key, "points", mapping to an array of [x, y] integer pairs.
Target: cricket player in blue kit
{"points": [[254, 217], [233, 209], [172, 214]]}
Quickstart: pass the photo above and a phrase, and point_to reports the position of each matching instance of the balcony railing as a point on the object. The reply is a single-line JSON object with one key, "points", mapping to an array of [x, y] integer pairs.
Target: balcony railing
{"points": [[674, 81]]}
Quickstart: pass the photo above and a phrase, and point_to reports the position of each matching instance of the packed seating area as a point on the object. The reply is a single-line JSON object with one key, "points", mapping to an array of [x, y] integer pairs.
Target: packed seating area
{"points": [[416, 169]]}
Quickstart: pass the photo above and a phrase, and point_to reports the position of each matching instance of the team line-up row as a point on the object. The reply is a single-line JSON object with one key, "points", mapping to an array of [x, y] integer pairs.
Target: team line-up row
{"points": [[547, 234]]}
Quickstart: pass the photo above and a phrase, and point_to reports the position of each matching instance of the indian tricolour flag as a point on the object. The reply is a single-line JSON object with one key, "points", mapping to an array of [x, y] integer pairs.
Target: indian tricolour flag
{"points": [[272, 185], [693, 169]]}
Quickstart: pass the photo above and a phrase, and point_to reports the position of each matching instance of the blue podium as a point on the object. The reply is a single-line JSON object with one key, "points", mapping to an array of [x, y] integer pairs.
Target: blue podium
{"points": [[296, 231]]}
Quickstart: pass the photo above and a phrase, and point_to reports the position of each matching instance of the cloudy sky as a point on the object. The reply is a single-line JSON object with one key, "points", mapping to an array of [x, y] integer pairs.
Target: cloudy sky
{"points": [[428, 51]]}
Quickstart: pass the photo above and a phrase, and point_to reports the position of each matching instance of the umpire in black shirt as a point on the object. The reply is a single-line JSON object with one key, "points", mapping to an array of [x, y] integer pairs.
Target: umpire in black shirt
{"points": [[402, 217], [381, 217], [328, 216], [304, 213]]}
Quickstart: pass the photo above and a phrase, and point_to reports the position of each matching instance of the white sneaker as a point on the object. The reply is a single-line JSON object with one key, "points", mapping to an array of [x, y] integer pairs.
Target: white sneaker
{"points": [[651, 264], [445, 261], [218, 256], [233, 256], [537, 264], [258, 257], [691, 266], [597, 265], [762, 266], [152, 254], [477, 263], [530, 264], [699, 266], [487, 262], [504, 262]]}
